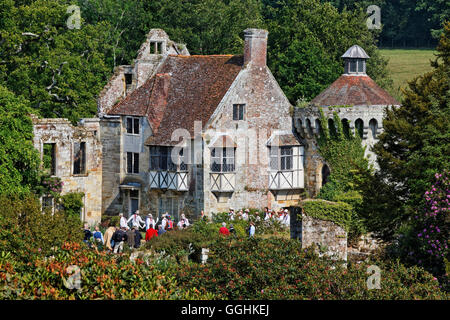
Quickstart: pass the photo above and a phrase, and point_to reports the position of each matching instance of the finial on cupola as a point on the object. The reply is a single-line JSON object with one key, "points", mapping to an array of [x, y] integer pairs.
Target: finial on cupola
{"points": [[355, 61]]}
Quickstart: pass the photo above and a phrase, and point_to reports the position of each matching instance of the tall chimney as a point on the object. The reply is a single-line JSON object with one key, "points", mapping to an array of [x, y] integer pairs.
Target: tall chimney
{"points": [[255, 48]]}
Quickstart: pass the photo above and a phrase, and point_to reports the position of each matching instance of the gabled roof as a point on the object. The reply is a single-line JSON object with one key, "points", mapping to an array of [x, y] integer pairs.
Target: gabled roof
{"points": [[184, 90], [355, 91], [356, 52]]}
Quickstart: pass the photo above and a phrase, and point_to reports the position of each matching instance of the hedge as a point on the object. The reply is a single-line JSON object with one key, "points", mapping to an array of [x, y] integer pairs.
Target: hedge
{"points": [[338, 212]]}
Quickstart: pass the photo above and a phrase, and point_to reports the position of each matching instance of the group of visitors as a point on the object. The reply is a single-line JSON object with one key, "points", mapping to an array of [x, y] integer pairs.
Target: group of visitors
{"points": [[281, 216], [129, 231]]}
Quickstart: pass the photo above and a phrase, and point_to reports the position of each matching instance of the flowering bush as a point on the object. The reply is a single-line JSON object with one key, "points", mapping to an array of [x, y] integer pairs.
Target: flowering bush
{"points": [[103, 276], [51, 186], [433, 232]]}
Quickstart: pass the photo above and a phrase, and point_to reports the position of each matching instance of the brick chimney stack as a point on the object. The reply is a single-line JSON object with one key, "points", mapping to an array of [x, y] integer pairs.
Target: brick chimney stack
{"points": [[255, 48]]}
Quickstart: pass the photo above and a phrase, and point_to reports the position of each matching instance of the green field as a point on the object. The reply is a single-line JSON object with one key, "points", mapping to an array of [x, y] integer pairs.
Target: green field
{"points": [[405, 64]]}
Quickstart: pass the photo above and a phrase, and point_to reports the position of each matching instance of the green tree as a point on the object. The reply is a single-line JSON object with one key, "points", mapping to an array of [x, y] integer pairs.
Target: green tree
{"points": [[19, 160], [415, 143], [59, 70], [306, 41]]}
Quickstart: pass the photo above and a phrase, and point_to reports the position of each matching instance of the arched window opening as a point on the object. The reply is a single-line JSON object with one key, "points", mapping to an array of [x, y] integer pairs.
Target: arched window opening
{"points": [[309, 127], [346, 127], [332, 127], [359, 125], [318, 126], [325, 174], [373, 124]]}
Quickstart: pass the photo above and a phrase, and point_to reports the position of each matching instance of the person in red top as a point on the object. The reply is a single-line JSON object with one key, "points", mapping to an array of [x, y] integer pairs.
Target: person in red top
{"points": [[150, 234], [224, 229]]}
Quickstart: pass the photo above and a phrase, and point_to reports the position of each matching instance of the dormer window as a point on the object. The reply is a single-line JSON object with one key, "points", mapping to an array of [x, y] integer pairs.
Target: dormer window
{"points": [[133, 125]]}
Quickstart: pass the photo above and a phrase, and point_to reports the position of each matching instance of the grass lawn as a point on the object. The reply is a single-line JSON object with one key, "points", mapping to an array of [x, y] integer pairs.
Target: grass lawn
{"points": [[405, 64]]}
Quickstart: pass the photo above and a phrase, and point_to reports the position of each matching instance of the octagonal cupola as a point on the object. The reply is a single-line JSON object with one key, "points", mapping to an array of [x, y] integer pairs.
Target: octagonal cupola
{"points": [[355, 61]]}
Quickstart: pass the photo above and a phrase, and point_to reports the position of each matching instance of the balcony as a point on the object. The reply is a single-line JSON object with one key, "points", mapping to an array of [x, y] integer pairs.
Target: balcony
{"points": [[171, 180], [222, 181], [286, 180]]}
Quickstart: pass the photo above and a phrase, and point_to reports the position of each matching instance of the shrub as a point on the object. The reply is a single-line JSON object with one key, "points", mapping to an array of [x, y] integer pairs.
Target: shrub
{"points": [[280, 269], [103, 276], [338, 212], [27, 232], [72, 203]]}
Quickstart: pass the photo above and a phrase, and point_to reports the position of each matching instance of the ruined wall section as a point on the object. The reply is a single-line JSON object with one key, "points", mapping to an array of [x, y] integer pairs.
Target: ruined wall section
{"points": [[329, 238], [63, 134]]}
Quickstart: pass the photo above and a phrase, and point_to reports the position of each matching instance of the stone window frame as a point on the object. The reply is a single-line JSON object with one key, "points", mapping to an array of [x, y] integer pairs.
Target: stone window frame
{"points": [[238, 113], [53, 173], [133, 126], [134, 156], [85, 173]]}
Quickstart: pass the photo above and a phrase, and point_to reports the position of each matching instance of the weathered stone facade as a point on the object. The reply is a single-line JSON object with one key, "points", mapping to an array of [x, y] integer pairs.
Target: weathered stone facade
{"points": [[329, 238], [64, 136]]}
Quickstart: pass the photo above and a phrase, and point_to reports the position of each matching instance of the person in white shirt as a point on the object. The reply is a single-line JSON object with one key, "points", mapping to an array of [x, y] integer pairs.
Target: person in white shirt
{"points": [[286, 218], [136, 220], [150, 222], [245, 215], [266, 214], [164, 220], [123, 221], [231, 214], [251, 229], [186, 221], [181, 224]]}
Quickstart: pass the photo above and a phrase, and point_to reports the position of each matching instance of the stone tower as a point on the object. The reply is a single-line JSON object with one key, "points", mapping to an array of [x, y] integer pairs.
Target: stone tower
{"points": [[360, 104]]}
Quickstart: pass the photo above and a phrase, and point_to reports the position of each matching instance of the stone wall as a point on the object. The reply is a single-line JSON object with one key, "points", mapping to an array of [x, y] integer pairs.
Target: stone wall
{"points": [[63, 134], [326, 235]]}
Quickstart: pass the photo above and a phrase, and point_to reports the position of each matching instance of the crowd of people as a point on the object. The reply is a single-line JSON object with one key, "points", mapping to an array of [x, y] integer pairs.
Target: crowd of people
{"points": [[129, 230]]}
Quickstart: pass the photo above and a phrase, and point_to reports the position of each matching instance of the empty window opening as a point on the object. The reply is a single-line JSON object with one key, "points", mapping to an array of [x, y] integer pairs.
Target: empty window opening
{"points": [[49, 158], [332, 127], [325, 174], [359, 125], [79, 158], [346, 127], [373, 124]]}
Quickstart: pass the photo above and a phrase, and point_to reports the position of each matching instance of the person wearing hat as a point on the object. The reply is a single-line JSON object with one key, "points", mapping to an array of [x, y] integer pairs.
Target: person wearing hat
{"points": [[150, 222], [123, 221], [136, 220]]}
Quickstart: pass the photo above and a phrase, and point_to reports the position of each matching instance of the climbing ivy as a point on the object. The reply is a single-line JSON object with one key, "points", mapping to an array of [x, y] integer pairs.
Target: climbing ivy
{"points": [[343, 151]]}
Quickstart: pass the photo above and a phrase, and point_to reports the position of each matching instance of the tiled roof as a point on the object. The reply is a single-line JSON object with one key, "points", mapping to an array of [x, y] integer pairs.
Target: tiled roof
{"points": [[186, 89], [354, 91]]}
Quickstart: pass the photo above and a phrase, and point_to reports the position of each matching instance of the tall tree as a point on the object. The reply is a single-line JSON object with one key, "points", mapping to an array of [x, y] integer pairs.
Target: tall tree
{"points": [[306, 41], [415, 144], [19, 160]]}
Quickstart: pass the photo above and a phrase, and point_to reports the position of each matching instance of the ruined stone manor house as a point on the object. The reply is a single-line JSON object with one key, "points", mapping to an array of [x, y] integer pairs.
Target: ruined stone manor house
{"points": [[224, 117]]}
